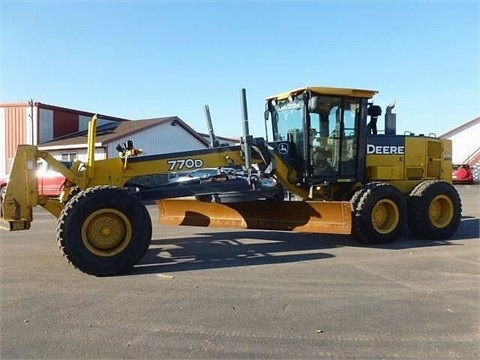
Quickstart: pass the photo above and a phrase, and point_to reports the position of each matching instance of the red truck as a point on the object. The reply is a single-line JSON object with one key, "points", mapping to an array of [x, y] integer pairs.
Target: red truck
{"points": [[50, 182], [462, 174]]}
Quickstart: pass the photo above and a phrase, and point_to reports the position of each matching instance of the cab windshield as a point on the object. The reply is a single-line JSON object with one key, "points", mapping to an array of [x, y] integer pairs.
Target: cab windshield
{"points": [[288, 119], [324, 138]]}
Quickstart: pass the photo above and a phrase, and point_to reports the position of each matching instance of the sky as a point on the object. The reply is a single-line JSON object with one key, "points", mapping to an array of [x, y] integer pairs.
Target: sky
{"points": [[147, 59]]}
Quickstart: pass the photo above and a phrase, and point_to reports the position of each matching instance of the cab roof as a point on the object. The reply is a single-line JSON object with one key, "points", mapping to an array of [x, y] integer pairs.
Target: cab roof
{"points": [[323, 90]]}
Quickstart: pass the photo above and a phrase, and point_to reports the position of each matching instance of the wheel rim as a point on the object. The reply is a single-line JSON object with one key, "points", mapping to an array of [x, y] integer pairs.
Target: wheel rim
{"points": [[441, 211], [385, 216], [106, 232]]}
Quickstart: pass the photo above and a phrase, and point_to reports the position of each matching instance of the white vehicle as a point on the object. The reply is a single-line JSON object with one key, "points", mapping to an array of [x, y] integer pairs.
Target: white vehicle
{"points": [[201, 174]]}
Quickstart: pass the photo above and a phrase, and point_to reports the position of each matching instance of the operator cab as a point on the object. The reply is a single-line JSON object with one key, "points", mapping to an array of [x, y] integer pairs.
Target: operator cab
{"points": [[321, 132]]}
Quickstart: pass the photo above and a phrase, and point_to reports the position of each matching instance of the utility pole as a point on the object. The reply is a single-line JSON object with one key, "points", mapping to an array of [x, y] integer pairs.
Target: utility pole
{"points": [[32, 135]]}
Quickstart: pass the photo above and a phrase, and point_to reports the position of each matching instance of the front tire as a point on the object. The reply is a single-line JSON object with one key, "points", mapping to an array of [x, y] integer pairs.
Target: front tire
{"points": [[104, 231], [379, 213], [435, 210], [75, 190]]}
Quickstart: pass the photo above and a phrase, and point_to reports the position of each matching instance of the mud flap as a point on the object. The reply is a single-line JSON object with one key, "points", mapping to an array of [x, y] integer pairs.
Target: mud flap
{"points": [[333, 217]]}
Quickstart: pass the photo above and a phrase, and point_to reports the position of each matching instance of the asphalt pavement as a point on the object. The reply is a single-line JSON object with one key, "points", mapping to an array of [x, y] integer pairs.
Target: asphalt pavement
{"points": [[205, 293]]}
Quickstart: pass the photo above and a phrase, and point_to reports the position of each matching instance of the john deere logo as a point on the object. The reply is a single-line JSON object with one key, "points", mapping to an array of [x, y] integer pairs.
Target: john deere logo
{"points": [[385, 149], [283, 148]]}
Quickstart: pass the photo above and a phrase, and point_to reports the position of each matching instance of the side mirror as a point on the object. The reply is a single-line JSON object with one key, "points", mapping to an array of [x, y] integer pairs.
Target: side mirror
{"points": [[266, 114], [375, 111], [313, 103]]}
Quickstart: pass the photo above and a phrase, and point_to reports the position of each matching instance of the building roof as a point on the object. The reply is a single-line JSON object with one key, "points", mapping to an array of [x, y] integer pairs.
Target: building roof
{"points": [[60, 108], [121, 129], [470, 149], [461, 128], [220, 138]]}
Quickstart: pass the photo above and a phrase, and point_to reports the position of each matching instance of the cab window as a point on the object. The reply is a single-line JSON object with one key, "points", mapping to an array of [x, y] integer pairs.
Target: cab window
{"points": [[334, 128]]}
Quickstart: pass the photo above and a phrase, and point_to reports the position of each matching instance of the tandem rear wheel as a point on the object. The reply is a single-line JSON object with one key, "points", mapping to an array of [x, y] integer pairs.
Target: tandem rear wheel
{"points": [[434, 210], [380, 211], [104, 231]]}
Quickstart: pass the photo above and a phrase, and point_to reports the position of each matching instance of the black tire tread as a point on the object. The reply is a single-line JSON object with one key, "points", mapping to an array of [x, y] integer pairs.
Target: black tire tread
{"points": [[363, 202], [73, 192], [72, 247], [418, 210]]}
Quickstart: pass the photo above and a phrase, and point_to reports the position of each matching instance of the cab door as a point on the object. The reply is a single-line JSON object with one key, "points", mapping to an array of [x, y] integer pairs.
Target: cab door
{"points": [[334, 144]]}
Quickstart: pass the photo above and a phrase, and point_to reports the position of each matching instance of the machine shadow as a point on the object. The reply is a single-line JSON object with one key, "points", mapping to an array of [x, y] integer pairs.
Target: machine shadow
{"points": [[231, 249], [212, 250], [469, 228]]}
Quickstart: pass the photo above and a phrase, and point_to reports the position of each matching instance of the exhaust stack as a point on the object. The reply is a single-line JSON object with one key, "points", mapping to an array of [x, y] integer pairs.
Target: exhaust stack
{"points": [[213, 139], [390, 120]]}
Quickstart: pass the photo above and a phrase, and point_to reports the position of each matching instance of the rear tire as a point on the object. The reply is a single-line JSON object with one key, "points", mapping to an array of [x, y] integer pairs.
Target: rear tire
{"points": [[435, 210], [104, 231], [379, 213]]}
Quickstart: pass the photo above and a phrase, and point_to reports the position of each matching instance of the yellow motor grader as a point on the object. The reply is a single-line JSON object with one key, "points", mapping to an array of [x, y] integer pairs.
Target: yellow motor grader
{"points": [[327, 169]]}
